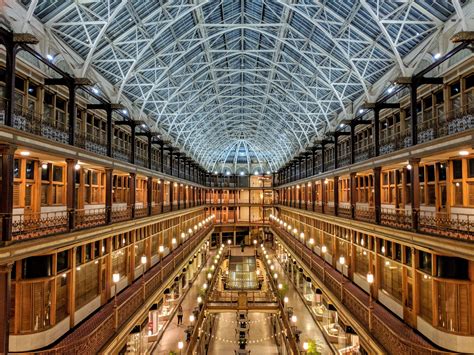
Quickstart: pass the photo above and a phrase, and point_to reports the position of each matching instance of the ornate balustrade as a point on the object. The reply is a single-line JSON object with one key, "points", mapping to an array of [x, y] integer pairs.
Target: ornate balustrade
{"points": [[33, 225], [396, 218], [384, 323], [90, 336]]}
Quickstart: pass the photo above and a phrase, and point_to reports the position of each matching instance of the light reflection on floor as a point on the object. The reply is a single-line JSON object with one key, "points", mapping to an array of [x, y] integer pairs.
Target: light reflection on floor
{"points": [[260, 328]]}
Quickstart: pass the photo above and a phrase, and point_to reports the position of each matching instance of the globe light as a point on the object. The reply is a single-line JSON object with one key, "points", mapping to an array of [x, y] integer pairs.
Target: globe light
{"points": [[180, 345], [116, 278], [294, 319], [192, 318], [204, 286], [143, 260], [199, 300], [324, 249], [285, 299], [305, 346], [370, 278], [342, 260]]}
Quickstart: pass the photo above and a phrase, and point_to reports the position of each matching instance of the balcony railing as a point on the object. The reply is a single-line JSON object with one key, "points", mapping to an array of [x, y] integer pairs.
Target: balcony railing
{"points": [[33, 225], [101, 327], [30, 225], [385, 327], [451, 225]]}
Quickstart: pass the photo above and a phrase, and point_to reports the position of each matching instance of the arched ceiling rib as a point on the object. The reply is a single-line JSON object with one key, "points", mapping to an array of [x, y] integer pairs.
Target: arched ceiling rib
{"points": [[245, 84]]}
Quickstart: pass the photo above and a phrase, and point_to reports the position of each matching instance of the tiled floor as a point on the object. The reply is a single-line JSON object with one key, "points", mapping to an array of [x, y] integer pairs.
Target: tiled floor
{"points": [[174, 333], [260, 335], [304, 320]]}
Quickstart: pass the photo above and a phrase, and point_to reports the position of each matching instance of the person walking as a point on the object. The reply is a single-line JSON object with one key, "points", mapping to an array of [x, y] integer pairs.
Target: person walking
{"points": [[180, 315]]}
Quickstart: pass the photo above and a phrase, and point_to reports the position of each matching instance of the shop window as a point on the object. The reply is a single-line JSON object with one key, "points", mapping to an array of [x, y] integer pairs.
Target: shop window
{"points": [[17, 168], [32, 90], [457, 169], [30, 169], [455, 89], [87, 283], [62, 261], [458, 193], [19, 83], [37, 267], [58, 173], [442, 171], [391, 278], [79, 255], [45, 173], [453, 307], [408, 256], [426, 298], [425, 261]]}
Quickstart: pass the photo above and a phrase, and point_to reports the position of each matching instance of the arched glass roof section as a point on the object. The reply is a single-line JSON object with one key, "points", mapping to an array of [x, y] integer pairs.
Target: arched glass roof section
{"points": [[242, 86]]}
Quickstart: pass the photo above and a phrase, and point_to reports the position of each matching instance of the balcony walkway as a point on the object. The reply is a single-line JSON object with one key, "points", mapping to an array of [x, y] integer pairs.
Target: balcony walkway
{"points": [[174, 332], [392, 333], [304, 320], [93, 333]]}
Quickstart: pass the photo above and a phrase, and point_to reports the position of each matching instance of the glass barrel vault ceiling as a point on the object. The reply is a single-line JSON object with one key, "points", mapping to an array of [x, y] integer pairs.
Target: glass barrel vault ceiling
{"points": [[243, 85]]}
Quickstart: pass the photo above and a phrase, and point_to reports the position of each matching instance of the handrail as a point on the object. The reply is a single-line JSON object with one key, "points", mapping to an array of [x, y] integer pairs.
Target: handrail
{"points": [[405, 346], [92, 342]]}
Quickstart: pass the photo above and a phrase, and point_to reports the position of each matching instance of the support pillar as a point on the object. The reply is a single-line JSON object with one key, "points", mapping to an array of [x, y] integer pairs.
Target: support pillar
{"points": [[415, 192], [413, 113], [71, 192], [336, 195], [132, 192], [10, 70], [5, 304], [353, 194], [377, 195], [7, 153], [352, 135], [323, 196], [11, 41], [376, 131], [108, 195], [149, 194]]}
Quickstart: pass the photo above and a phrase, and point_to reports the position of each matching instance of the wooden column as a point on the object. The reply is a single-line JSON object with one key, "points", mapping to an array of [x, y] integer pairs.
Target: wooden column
{"points": [[171, 195], [336, 195], [6, 202], [162, 192], [108, 194], [353, 194], [323, 196], [415, 192], [149, 194], [377, 194], [179, 190], [132, 192], [5, 304], [71, 191]]}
